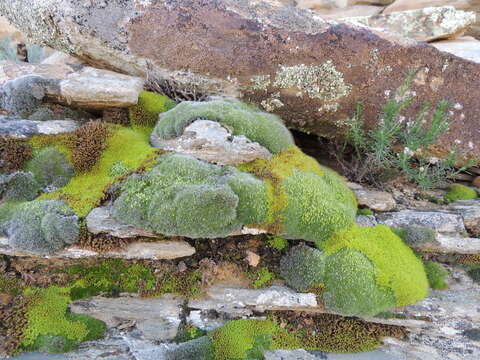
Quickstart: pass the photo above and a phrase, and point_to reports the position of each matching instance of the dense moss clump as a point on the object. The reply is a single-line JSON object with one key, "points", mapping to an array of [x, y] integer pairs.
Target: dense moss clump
{"points": [[18, 186], [277, 242], [460, 192], [50, 168], [86, 190], [416, 235], [149, 106], [375, 267], [303, 268], [49, 325], [183, 196], [14, 153], [200, 349], [305, 200], [266, 129], [41, 226], [437, 275]]}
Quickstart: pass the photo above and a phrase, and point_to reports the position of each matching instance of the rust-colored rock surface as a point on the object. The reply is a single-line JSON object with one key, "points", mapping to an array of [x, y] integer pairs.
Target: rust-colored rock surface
{"points": [[290, 61]]}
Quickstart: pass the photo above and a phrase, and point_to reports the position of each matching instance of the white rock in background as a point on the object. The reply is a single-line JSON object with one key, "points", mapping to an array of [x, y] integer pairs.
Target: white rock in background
{"points": [[452, 245], [465, 47], [425, 24], [211, 141]]}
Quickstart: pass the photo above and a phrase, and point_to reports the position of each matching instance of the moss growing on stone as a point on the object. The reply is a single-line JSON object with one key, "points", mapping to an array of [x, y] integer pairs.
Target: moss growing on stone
{"points": [[460, 192], [149, 106], [266, 129], [42, 226], [18, 186], [51, 327], [366, 254], [183, 196], [364, 212], [199, 349], [303, 268], [261, 277], [236, 338], [437, 275], [50, 168], [187, 332], [277, 242], [86, 190], [14, 153], [417, 235], [110, 276]]}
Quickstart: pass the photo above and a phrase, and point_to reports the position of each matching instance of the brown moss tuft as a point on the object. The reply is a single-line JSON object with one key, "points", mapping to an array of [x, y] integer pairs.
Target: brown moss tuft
{"points": [[87, 143], [14, 153], [13, 320], [116, 116], [469, 259], [101, 242]]}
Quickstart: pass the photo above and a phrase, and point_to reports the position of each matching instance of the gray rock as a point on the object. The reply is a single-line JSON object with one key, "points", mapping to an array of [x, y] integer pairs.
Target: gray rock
{"points": [[211, 141], [28, 128], [441, 221], [379, 201], [23, 95], [156, 319], [452, 245], [470, 211], [100, 220], [230, 299], [366, 220]]}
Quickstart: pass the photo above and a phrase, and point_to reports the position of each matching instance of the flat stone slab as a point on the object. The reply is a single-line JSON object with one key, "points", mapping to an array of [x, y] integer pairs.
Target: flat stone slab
{"points": [[157, 318], [452, 245], [225, 298], [470, 211], [28, 128], [440, 221], [79, 85], [160, 250], [425, 24]]}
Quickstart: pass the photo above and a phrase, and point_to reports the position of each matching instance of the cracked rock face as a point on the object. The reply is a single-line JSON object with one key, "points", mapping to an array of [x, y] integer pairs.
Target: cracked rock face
{"points": [[290, 61], [212, 142]]}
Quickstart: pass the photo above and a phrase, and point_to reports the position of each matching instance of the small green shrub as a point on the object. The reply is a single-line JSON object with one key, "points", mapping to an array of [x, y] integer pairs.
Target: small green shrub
{"points": [[261, 277], [364, 212], [50, 168], [266, 129], [371, 262], [277, 242], [149, 106], [400, 145], [437, 275], [460, 192], [18, 186], [417, 235], [42, 226], [200, 348], [187, 332], [303, 268]]}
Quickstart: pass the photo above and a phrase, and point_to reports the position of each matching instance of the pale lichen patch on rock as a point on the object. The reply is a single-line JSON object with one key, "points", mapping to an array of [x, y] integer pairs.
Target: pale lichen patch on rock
{"points": [[323, 81]]}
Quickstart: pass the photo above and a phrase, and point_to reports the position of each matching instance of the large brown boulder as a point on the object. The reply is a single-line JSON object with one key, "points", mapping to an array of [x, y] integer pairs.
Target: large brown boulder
{"points": [[308, 70]]}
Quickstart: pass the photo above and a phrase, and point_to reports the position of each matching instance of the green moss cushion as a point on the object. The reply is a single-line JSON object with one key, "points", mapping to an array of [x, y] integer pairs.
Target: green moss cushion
{"points": [[149, 106], [460, 192], [50, 168], [394, 265], [266, 129]]}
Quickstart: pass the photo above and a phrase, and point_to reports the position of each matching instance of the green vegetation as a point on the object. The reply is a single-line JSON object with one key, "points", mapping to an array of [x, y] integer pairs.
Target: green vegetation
{"points": [[85, 190], [200, 349], [303, 268], [397, 144], [371, 262], [187, 332], [149, 106], [51, 327], [41, 226], [261, 277], [266, 129], [364, 211], [18, 186], [437, 275], [460, 192], [277, 242], [416, 235], [50, 168]]}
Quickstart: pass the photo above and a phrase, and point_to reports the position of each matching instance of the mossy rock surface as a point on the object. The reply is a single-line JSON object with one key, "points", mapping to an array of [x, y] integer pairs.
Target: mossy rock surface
{"points": [[460, 192], [149, 106]]}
